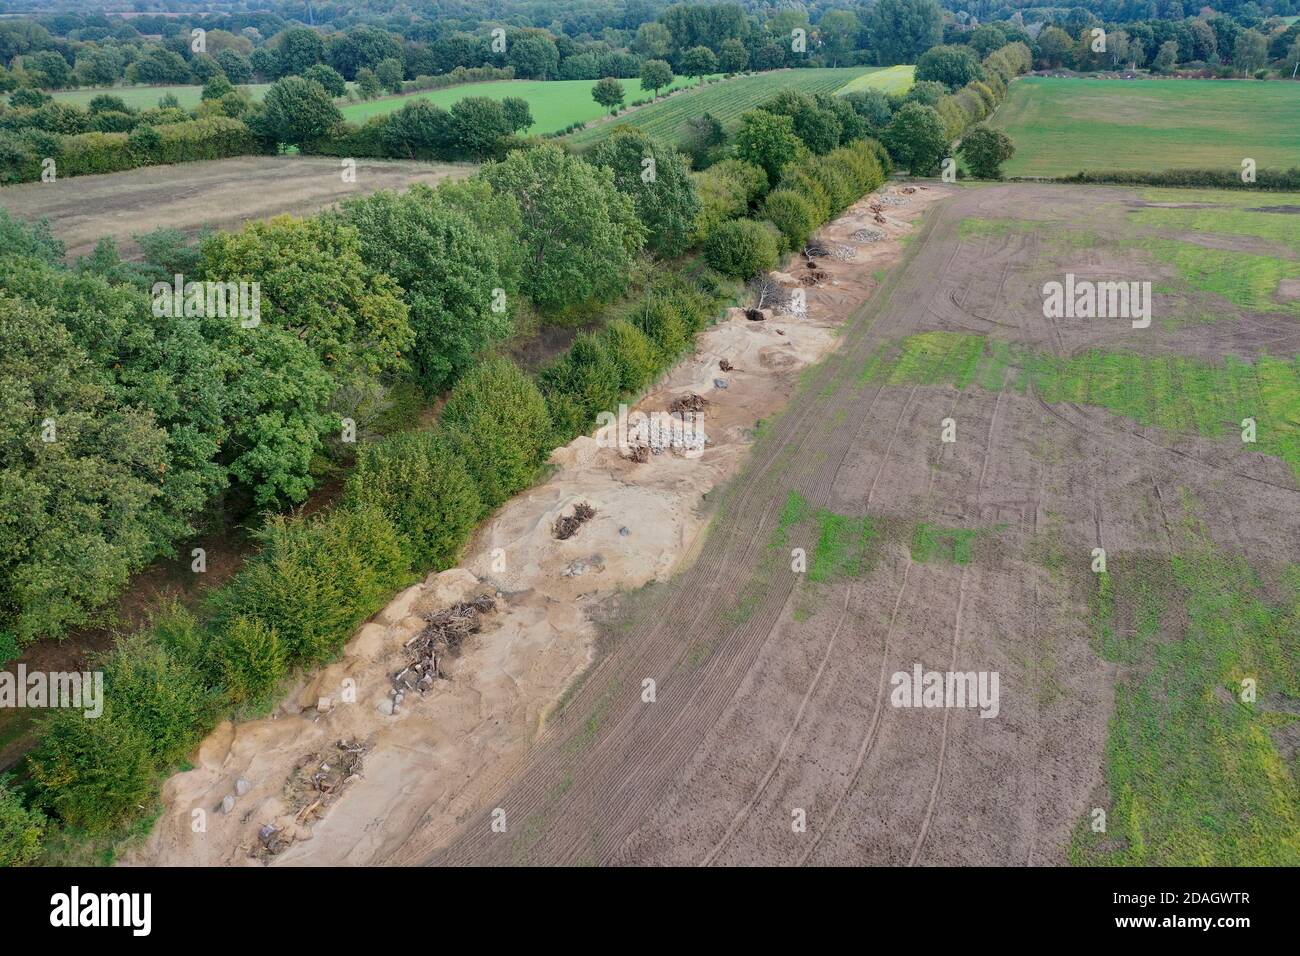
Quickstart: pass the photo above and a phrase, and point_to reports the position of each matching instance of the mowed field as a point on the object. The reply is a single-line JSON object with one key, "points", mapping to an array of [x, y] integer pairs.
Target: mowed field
{"points": [[216, 194], [726, 101], [776, 736], [555, 104], [147, 97], [1062, 126]]}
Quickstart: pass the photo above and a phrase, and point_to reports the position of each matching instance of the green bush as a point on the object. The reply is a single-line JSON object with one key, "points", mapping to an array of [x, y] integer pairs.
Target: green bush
{"points": [[578, 386], [497, 421], [92, 773], [316, 579], [163, 696], [632, 353], [250, 660], [417, 480], [799, 178], [742, 248], [791, 213], [21, 829]]}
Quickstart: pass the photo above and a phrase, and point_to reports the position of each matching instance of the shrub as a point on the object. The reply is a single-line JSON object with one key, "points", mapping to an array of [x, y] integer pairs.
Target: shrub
{"points": [[497, 421], [21, 829], [800, 179], [985, 150], [584, 382], [316, 579], [92, 773], [162, 695], [742, 248], [632, 353], [417, 480], [792, 214], [250, 660]]}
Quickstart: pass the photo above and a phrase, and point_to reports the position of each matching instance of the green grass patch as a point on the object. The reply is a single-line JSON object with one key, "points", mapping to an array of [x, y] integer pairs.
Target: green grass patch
{"points": [[147, 97], [1062, 126], [889, 79], [1246, 279], [725, 101], [555, 104], [1178, 394], [949, 545], [1194, 776]]}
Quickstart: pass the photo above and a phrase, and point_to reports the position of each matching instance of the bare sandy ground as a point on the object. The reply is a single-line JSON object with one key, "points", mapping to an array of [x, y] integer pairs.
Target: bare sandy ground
{"points": [[437, 760], [217, 194]]}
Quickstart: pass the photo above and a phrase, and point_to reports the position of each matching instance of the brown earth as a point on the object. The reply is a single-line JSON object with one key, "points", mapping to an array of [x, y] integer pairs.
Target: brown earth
{"points": [[216, 194], [771, 694]]}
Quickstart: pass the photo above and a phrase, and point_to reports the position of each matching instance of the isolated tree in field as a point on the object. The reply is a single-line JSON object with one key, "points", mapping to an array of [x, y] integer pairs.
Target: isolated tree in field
{"points": [[916, 139], [953, 66], [655, 75], [767, 140], [699, 62], [519, 116], [328, 77], [657, 180], [295, 111], [1166, 58], [733, 57], [901, 30], [389, 72], [985, 150], [579, 233], [608, 93], [368, 85], [216, 88], [478, 124], [1250, 52]]}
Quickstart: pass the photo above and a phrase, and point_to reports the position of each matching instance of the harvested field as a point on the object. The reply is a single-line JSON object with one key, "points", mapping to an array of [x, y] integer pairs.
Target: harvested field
{"points": [[220, 194]]}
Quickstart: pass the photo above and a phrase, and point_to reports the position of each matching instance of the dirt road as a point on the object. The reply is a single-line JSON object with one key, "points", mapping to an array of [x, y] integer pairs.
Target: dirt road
{"points": [[217, 194]]}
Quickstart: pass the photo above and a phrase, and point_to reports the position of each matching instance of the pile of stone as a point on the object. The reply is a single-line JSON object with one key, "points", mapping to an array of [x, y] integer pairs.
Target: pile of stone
{"points": [[867, 235]]}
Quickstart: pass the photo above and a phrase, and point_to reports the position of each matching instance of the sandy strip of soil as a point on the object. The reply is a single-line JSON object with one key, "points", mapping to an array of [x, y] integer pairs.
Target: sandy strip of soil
{"points": [[216, 194], [441, 755]]}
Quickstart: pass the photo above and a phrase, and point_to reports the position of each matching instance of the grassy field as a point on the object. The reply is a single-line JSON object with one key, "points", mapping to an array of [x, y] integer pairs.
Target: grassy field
{"points": [[726, 101], [555, 103], [1062, 126], [1183, 396], [1195, 777], [890, 79], [147, 97]]}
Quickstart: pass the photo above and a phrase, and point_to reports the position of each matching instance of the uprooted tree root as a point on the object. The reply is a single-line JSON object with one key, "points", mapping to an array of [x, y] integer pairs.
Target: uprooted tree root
{"points": [[318, 780], [566, 526], [441, 637]]}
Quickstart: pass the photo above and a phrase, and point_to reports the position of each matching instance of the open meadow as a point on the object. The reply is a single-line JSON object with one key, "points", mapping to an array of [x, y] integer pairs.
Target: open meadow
{"points": [[1063, 126]]}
